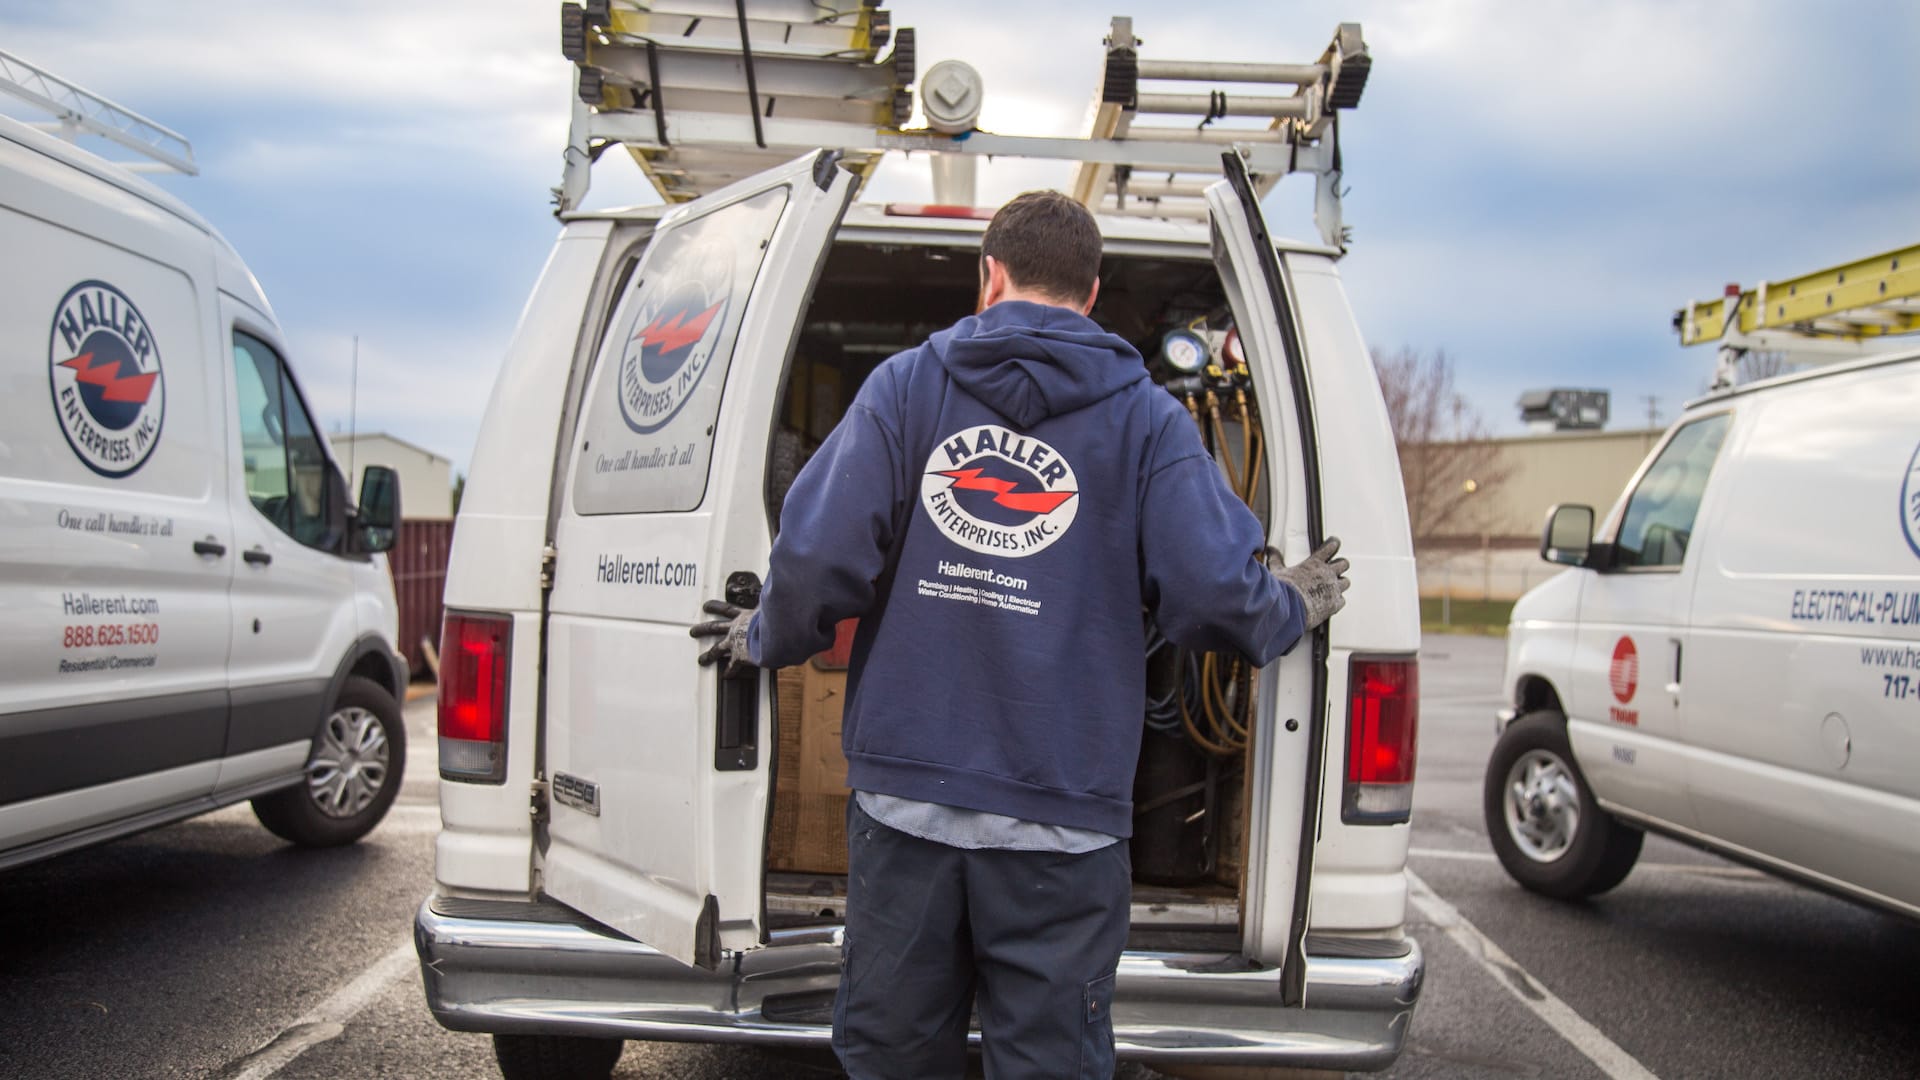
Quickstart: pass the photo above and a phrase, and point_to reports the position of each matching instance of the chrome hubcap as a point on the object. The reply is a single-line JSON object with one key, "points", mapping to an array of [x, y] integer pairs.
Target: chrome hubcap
{"points": [[1543, 806], [349, 763]]}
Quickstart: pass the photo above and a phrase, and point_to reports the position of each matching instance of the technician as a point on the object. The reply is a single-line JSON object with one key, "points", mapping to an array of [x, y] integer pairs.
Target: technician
{"points": [[998, 508]]}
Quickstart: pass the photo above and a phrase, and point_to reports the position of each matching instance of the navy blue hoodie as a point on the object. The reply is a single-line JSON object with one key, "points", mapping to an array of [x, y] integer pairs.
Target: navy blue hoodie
{"points": [[998, 507]]}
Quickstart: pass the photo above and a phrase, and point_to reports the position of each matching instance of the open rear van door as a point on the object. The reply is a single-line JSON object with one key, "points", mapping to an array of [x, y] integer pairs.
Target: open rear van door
{"points": [[660, 770], [1290, 736]]}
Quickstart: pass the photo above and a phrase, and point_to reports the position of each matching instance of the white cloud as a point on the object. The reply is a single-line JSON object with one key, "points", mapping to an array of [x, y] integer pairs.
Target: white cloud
{"points": [[423, 386]]}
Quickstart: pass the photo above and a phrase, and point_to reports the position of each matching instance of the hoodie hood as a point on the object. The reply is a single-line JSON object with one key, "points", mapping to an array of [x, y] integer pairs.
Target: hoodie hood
{"points": [[1029, 361]]}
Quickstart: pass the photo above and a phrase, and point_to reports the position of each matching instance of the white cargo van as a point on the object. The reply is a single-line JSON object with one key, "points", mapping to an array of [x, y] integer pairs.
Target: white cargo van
{"points": [[1733, 662], [193, 613], [636, 847], [647, 895]]}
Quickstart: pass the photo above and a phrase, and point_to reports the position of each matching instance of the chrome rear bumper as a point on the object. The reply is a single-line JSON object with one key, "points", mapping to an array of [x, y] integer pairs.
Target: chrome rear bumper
{"points": [[540, 968]]}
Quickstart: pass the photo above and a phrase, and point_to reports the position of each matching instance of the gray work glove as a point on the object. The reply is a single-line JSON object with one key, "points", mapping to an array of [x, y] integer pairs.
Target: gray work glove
{"points": [[1321, 579], [732, 633]]}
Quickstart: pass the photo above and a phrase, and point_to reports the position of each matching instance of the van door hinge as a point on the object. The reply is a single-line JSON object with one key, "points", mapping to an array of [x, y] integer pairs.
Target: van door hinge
{"points": [[548, 555], [537, 803]]}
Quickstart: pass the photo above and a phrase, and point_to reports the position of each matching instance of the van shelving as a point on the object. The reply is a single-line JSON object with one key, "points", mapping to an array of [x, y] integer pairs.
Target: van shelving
{"points": [[1192, 814]]}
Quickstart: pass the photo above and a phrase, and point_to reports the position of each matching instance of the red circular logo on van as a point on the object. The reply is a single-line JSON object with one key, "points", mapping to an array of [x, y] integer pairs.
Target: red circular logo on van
{"points": [[1624, 676]]}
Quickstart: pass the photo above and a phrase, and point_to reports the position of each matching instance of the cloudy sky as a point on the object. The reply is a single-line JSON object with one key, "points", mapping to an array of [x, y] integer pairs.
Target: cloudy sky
{"points": [[1536, 184]]}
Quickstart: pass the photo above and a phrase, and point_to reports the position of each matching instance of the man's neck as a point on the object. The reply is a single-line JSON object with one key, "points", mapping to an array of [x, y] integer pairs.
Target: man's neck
{"points": [[1035, 298]]}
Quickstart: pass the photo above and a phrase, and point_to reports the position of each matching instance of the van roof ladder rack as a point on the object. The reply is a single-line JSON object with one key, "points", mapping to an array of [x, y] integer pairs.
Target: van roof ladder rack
{"points": [[77, 111], [702, 93], [1306, 122], [1838, 313]]}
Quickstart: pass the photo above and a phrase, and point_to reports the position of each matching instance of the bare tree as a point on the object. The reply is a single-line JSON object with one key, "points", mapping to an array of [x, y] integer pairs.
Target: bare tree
{"points": [[1757, 364], [1448, 460]]}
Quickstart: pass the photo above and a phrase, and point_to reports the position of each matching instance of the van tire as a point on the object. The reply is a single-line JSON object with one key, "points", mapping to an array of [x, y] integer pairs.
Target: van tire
{"points": [[1595, 849], [556, 1057], [294, 815]]}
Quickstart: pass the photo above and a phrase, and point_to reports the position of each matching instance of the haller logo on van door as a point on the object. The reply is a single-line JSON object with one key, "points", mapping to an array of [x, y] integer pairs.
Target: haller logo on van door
{"points": [[669, 345], [104, 366], [999, 493], [1623, 677], [1910, 502]]}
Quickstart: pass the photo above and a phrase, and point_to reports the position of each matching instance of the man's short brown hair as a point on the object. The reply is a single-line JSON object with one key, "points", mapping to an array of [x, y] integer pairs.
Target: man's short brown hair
{"points": [[1049, 244]]}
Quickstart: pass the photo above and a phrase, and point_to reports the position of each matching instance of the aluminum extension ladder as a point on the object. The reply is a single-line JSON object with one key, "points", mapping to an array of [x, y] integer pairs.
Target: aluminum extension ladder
{"points": [[704, 92]]}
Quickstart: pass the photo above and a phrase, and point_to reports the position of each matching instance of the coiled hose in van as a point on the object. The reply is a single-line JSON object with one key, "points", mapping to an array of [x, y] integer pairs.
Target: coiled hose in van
{"points": [[1212, 696]]}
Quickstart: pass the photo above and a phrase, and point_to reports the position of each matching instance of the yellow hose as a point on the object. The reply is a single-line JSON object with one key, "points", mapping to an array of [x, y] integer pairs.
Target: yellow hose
{"points": [[1220, 442], [1226, 735], [1199, 740]]}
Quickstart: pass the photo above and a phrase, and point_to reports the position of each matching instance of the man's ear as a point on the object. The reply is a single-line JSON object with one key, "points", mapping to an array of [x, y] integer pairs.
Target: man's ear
{"points": [[1092, 295], [997, 283]]}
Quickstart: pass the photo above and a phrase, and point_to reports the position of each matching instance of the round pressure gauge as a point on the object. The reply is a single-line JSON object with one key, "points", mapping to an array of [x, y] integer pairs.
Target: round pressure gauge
{"points": [[1235, 355], [1184, 351]]}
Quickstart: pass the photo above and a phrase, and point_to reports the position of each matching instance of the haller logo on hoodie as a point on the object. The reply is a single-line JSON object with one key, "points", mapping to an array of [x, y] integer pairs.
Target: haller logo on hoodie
{"points": [[999, 493]]}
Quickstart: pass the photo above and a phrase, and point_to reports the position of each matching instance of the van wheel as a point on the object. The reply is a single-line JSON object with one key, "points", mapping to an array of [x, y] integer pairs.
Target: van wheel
{"points": [[1546, 828], [556, 1057], [352, 774]]}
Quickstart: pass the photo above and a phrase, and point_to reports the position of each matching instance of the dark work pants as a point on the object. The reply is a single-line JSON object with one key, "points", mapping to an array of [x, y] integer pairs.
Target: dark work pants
{"points": [[1029, 938]]}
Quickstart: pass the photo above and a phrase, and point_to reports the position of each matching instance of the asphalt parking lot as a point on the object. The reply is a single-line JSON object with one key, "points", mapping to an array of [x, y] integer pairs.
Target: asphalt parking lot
{"points": [[211, 949]]}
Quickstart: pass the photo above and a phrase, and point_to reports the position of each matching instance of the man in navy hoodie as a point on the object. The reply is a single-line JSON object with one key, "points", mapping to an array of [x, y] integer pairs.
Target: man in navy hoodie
{"points": [[998, 508]]}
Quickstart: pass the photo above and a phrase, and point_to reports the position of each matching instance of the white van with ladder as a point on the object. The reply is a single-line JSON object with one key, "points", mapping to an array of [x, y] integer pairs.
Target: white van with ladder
{"points": [[192, 612], [637, 847], [1734, 661]]}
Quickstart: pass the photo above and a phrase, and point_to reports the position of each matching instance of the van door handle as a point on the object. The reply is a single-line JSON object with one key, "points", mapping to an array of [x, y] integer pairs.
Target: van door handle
{"points": [[257, 556], [737, 710], [209, 546], [738, 722], [1673, 688]]}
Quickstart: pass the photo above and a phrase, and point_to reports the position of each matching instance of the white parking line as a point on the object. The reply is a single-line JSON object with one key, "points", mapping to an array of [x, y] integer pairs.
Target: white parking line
{"points": [[327, 1020], [1595, 1046]]}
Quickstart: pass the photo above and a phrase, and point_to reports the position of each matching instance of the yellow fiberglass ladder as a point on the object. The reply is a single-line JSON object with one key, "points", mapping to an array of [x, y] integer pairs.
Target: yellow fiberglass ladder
{"points": [[704, 92], [1839, 313]]}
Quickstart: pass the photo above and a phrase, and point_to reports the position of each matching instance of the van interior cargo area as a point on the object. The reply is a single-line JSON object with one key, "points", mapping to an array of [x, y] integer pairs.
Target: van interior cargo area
{"points": [[1191, 794]]}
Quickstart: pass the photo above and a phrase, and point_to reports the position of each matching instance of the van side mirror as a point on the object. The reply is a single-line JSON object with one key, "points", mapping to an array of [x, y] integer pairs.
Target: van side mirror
{"points": [[376, 522], [1568, 537]]}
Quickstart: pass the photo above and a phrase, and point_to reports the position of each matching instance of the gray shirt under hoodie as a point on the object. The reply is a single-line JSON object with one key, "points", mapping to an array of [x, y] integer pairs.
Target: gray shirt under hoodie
{"points": [[977, 829]]}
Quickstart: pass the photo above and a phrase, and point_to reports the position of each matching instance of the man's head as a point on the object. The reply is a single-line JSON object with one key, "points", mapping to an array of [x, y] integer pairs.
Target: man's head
{"points": [[1044, 247]]}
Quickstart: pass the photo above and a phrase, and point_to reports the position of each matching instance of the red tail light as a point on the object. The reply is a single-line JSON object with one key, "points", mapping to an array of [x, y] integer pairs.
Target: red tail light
{"points": [[1383, 721], [475, 651]]}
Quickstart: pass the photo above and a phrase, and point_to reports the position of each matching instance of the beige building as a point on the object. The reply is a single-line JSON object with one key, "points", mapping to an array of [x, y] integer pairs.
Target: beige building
{"points": [[426, 478], [1497, 555]]}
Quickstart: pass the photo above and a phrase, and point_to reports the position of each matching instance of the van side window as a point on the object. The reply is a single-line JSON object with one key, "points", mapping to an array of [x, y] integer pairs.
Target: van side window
{"points": [[281, 455], [1659, 518]]}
